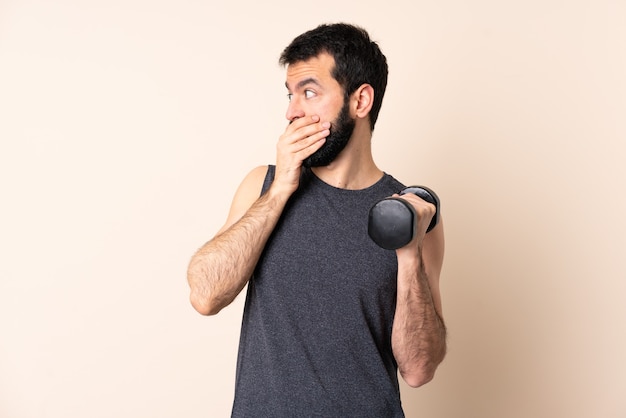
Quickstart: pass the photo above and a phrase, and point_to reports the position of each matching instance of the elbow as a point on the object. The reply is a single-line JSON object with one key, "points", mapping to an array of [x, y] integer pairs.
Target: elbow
{"points": [[204, 305], [419, 378], [202, 299], [422, 372]]}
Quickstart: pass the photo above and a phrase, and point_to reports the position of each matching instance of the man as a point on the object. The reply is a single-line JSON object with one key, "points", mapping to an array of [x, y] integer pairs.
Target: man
{"points": [[330, 318]]}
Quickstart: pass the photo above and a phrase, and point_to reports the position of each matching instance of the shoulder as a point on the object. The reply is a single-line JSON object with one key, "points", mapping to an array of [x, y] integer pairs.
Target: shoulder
{"points": [[255, 177], [247, 193], [390, 184], [251, 186]]}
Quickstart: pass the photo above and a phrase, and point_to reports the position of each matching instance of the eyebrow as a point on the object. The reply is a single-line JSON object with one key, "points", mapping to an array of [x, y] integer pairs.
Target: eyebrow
{"points": [[304, 82]]}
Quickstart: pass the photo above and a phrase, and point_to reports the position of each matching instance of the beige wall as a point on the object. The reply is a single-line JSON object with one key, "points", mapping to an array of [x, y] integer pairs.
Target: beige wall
{"points": [[125, 127]]}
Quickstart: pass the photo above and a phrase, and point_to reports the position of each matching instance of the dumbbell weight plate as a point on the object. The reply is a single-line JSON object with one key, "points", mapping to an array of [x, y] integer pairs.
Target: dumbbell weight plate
{"points": [[429, 196], [391, 223]]}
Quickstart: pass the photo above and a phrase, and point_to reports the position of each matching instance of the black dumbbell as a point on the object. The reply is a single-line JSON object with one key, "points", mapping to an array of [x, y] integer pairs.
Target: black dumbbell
{"points": [[392, 221]]}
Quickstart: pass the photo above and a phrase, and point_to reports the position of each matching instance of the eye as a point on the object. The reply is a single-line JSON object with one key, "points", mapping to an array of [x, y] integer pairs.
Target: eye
{"points": [[309, 94], [289, 96]]}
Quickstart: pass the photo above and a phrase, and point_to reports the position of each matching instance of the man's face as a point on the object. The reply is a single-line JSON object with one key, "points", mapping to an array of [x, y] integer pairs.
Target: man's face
{"points": [[340, 132], [314, 91]]}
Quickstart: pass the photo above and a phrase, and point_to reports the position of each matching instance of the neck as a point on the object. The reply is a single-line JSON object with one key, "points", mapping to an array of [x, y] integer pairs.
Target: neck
{"points": [[354, 168]]}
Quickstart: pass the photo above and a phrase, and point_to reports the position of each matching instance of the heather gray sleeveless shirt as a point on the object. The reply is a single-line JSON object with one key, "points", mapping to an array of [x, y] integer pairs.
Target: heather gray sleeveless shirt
{"points": [[316, 333]]}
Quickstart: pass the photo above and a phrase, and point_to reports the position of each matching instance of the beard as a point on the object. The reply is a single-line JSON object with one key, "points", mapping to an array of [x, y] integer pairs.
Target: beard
{"points": [[340, 133]]}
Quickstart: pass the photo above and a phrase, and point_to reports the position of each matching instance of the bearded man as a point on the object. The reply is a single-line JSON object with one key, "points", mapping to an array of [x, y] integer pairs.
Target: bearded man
{"points": [[330, 318]]}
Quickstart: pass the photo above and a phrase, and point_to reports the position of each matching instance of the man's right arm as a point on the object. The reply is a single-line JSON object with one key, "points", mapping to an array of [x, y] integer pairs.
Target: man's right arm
{"points": [[220, 269]]}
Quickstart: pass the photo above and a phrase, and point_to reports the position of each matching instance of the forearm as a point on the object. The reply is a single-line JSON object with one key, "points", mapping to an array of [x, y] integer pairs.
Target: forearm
{"points": [[221, 268], [419, 333]]}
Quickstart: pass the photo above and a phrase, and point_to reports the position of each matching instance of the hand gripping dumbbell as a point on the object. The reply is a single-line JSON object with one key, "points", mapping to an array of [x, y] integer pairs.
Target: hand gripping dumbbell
{"points": [[392, 221]]}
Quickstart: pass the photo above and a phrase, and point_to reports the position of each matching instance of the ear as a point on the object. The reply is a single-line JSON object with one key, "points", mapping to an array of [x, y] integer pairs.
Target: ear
{"points": [[362, 100]]}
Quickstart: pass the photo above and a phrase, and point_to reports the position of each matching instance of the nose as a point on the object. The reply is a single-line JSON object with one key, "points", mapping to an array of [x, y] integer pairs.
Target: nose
{"points": [[294, 110]]}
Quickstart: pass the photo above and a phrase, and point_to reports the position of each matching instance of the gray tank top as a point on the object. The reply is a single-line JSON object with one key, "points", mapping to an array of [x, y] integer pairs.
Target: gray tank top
{"points": [[316, 332]]}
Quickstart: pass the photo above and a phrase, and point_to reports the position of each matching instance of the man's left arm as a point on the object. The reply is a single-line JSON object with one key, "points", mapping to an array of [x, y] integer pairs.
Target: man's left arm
{"points": [[419, 333]]}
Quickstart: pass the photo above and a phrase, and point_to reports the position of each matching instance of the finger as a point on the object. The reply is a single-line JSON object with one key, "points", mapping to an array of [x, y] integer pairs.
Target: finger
{"points": [[302, 122], [309, 146], [301, 130], [313, 139]]}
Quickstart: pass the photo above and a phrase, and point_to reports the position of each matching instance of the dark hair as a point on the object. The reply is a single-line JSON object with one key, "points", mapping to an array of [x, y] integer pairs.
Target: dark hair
{"points": [[358, 60]]}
